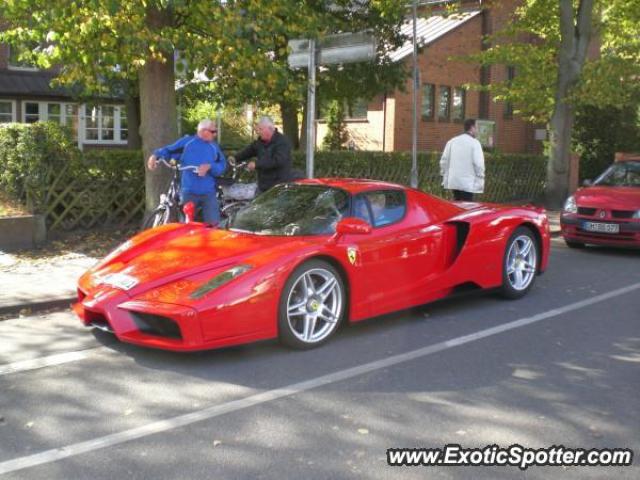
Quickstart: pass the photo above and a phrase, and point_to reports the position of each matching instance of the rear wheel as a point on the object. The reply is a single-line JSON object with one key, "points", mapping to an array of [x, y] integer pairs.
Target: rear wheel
{"points": [[312, 305], [520, 263]]}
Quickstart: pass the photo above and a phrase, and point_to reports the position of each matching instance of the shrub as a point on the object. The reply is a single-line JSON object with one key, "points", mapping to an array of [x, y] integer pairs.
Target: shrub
{"points": [[30, 153]]}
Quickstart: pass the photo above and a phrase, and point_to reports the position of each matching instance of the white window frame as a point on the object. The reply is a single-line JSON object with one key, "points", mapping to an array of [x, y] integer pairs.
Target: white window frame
{"points": [[82, 126], [43, 110], [18, 68], [13, 108]]}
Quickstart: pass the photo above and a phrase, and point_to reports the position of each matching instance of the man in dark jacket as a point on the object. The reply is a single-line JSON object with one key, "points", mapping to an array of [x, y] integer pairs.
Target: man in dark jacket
{"points": [[273, 156]]}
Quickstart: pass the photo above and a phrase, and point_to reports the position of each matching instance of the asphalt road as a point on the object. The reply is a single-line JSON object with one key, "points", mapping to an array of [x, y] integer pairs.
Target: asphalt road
{"points": [[558, 367]]}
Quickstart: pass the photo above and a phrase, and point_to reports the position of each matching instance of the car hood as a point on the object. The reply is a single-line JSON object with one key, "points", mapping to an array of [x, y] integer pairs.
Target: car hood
{"points": [[159, 261], [615, 198]]}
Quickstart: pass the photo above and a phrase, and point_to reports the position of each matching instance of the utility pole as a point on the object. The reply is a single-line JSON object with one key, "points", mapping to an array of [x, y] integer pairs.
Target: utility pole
{"points": [[414, 133], [311, 108]]}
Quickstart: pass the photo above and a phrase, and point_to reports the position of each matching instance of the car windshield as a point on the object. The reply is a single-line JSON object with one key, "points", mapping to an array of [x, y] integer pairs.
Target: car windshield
{"points": [[293, 210], [621, 174]]}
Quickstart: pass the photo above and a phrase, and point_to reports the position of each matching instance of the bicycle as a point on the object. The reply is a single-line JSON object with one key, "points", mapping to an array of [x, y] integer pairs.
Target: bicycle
{"points": [[234, 195], [168, 209]]}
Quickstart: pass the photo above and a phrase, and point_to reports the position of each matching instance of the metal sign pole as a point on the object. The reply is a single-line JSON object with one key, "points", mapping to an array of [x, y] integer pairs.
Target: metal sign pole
{"points": [[311, 108], [414, 145]]}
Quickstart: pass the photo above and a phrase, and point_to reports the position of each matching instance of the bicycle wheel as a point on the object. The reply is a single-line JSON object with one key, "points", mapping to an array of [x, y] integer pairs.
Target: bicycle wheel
{"points": [[231, 209], [160, 216]]}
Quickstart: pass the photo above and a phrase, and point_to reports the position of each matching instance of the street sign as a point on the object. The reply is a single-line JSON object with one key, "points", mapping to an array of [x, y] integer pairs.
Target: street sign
{"points": [[334, 49]]}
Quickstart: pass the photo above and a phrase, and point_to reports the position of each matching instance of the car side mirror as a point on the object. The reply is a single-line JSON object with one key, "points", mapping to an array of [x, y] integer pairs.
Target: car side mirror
{"points": [[587, 183], [353, 226]]}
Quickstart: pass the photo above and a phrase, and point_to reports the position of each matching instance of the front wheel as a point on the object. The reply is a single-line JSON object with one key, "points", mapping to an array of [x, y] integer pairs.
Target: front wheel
{"points": [[312, 305], [229, 210], [160, 216], [520, 263]]}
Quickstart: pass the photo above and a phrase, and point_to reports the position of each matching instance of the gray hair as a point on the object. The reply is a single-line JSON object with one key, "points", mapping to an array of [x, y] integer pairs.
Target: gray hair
{"points": [[267, 121], [206, 124]]}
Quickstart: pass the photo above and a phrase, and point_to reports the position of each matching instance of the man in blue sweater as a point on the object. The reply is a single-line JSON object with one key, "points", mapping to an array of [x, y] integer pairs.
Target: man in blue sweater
{"points": [[202, 151]]}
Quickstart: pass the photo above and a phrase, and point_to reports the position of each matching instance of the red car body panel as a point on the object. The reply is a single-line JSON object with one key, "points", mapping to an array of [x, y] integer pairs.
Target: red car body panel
{"points": [[607, 205], [408, 263]]}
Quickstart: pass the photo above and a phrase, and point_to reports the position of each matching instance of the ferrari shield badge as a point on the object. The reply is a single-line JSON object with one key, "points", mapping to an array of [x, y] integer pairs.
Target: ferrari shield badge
{"points": [[352, 255]]}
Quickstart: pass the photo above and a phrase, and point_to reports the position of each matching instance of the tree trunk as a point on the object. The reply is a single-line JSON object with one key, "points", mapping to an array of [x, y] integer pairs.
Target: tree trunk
{"points": [[132, 104], [575, 33], [158, 114], [289, 114]]}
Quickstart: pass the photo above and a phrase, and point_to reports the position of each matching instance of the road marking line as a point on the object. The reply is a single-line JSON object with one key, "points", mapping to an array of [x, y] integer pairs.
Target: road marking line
{"points": [[49, 361], [160, 426]]}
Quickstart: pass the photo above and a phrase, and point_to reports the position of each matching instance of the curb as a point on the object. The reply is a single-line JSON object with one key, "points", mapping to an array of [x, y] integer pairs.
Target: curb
{"points": [[34, 307]]}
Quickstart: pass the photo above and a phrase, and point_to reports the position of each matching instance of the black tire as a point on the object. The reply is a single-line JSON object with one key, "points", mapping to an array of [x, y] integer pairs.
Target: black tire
{"points": [[160, 216], [572, 244], [298, 316], [519, 270]]}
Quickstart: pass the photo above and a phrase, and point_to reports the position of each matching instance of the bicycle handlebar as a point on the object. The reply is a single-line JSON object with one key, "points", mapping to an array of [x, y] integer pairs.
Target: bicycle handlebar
{"points": [[174, 165]]}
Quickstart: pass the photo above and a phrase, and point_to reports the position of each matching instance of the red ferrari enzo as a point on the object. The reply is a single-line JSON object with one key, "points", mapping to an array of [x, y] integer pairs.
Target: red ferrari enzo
{"points": [[607, 212], [304, 257]]}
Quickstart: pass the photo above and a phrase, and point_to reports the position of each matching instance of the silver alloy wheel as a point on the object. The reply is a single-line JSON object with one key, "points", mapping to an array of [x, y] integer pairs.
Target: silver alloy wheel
{"points": [[314, 305], [521, 262]]}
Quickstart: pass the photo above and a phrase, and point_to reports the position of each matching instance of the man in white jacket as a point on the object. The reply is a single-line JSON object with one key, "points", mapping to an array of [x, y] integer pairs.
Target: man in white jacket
{"points": [[462, 164]]}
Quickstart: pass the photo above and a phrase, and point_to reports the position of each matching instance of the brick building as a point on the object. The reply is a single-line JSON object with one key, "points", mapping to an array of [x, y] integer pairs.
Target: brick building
{"points": [[26, 96], [385, 123]]}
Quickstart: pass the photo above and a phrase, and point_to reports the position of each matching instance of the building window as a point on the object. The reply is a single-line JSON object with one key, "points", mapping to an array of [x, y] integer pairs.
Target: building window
{"points": [[508, 106], [357, 110], [105, 124], [7, 111], [62, 113], [428, 90], [444, 104], [458, 106], [32, 112], [15, 63]]}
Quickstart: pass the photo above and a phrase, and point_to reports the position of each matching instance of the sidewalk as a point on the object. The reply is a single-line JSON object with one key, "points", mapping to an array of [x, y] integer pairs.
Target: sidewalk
{"points": [[39, 286], [34, 285]]}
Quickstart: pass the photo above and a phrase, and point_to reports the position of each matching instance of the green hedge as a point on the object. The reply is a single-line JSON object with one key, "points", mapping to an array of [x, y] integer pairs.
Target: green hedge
{"points": [[32, 156], [29, 152], [509, 177]]}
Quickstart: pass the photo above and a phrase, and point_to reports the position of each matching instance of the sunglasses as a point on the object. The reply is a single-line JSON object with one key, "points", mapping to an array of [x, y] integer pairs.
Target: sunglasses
{"points": [[212, 131]]}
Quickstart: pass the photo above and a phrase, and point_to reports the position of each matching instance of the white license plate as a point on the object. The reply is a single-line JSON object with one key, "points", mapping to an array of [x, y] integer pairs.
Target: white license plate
{"points": [[601, 227]]}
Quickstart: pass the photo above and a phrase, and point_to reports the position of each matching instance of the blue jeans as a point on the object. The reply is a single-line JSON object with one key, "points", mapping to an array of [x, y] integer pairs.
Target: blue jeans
{"points": [[207, 202]]}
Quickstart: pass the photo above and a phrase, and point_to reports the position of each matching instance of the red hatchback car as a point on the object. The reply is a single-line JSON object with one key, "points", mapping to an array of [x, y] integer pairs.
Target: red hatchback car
{"points": [[607, 211]]}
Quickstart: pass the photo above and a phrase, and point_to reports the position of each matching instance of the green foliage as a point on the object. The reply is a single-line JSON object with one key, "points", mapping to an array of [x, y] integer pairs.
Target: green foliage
{"points": [[531, 44], [601, 132], [113, 164], [337, 134], [509, 177], [234, 131], [32, 155], [29, 152]]}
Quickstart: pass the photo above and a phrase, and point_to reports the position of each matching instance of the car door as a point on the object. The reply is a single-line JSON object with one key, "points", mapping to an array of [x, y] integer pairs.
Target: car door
{"points": [[396, 257]]}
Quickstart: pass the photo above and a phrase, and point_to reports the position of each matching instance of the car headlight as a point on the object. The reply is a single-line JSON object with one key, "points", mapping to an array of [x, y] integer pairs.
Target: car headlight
{"points": [[219, 280], [636, 214], [570, 205]]}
